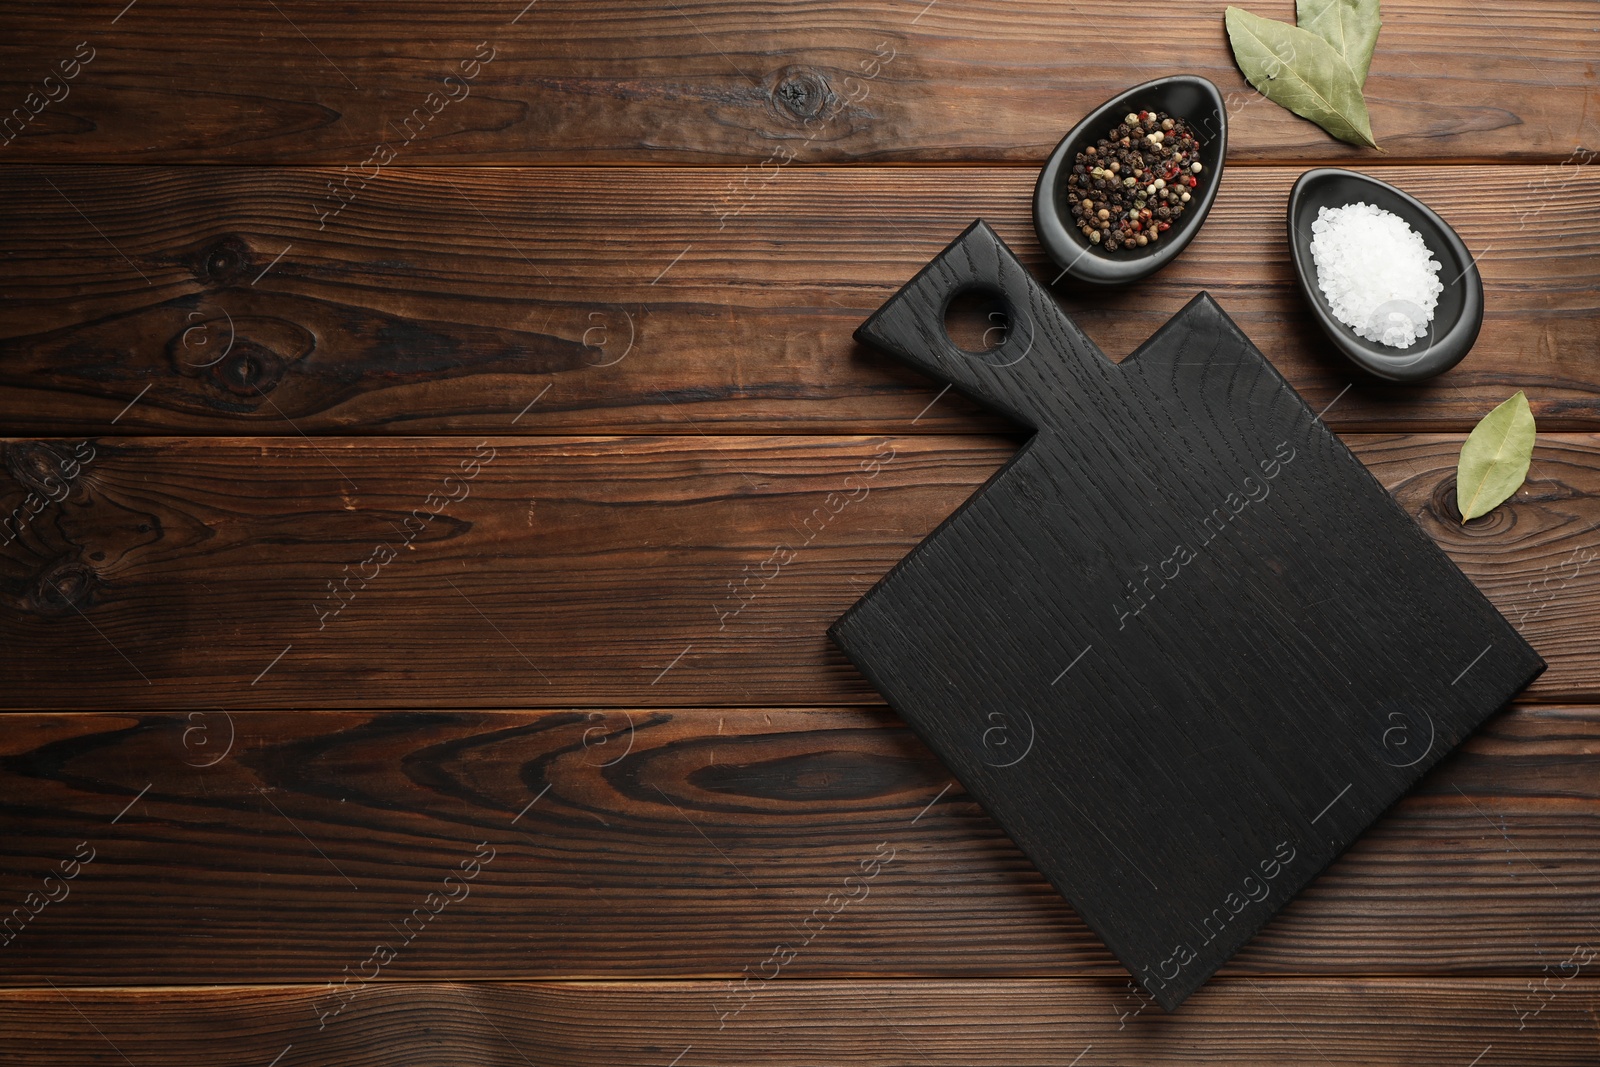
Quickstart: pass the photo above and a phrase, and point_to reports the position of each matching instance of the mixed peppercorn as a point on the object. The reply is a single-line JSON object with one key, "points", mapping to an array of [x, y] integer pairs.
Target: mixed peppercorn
{"points": [[1131, 186]]}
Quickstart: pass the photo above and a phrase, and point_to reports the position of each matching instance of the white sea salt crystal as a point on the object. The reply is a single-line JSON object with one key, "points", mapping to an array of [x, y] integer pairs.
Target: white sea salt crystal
{"points": [[1376, 272]]}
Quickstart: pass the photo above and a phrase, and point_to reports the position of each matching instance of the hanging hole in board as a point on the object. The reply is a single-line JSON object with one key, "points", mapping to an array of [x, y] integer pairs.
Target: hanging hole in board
{"points": [[977, 320], [981, 323]]}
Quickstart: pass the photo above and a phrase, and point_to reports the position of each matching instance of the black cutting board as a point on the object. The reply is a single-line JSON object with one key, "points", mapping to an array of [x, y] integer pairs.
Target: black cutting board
{"points": [[1182, 646]]}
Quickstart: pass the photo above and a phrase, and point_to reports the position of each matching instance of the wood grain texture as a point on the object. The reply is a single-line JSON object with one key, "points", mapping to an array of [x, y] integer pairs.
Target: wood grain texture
{"points": [[646, 571], [283, 846], [1355, 1022], [717, 81], [449, 301], [664, 246]]}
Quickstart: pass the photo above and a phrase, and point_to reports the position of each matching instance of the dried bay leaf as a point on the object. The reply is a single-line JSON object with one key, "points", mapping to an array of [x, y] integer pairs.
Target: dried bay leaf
{"points": [[1350, 26], [1494, 460], [1298, 70]]}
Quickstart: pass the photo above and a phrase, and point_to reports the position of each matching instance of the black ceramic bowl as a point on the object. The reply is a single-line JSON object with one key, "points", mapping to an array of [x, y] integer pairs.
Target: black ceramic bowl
{"points": [[1459, 313], [1184, 96]]}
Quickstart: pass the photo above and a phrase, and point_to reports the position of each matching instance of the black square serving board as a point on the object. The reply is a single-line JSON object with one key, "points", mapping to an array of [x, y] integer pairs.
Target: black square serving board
{"points": [[1183, 646]]}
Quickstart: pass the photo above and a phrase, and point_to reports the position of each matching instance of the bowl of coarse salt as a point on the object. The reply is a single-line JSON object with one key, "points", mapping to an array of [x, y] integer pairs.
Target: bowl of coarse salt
{"points": [[1391, 284]]}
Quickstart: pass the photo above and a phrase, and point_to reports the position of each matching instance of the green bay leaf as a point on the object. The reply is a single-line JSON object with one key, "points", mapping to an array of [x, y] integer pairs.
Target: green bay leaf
{"points": [[1350, 26], [1298, 70], [1494, 460]]}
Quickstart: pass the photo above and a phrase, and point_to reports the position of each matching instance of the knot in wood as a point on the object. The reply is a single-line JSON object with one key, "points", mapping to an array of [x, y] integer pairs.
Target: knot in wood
{"points": [[64, 587], [249, 369], [222, 262], [38, 465], [801, 92], [1446, 509]]}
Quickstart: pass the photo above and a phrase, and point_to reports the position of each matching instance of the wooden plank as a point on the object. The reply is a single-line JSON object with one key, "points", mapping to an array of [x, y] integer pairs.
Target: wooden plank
{"points": [[718, 81], [282, 846], [651, 571], [609, 301], [868, 1023], [1359, 1022]]}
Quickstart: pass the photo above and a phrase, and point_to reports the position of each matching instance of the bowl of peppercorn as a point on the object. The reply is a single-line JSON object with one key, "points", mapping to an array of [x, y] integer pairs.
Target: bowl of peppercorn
{"points": [[1128, 188]]}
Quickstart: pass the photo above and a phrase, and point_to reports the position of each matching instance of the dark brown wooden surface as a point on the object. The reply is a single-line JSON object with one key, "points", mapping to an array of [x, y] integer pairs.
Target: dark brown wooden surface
{"points": [[1350, 1022], [708, 834], [717, 81], [637, 571], [631, 260], [445, 301]]}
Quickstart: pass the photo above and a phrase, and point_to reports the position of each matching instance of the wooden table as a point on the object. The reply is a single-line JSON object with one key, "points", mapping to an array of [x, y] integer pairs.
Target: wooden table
{"points": [[427, 432]]}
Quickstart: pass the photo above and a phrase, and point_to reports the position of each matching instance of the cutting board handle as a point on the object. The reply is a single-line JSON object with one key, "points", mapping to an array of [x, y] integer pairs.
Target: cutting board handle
{"points": [[1021, 377]]}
